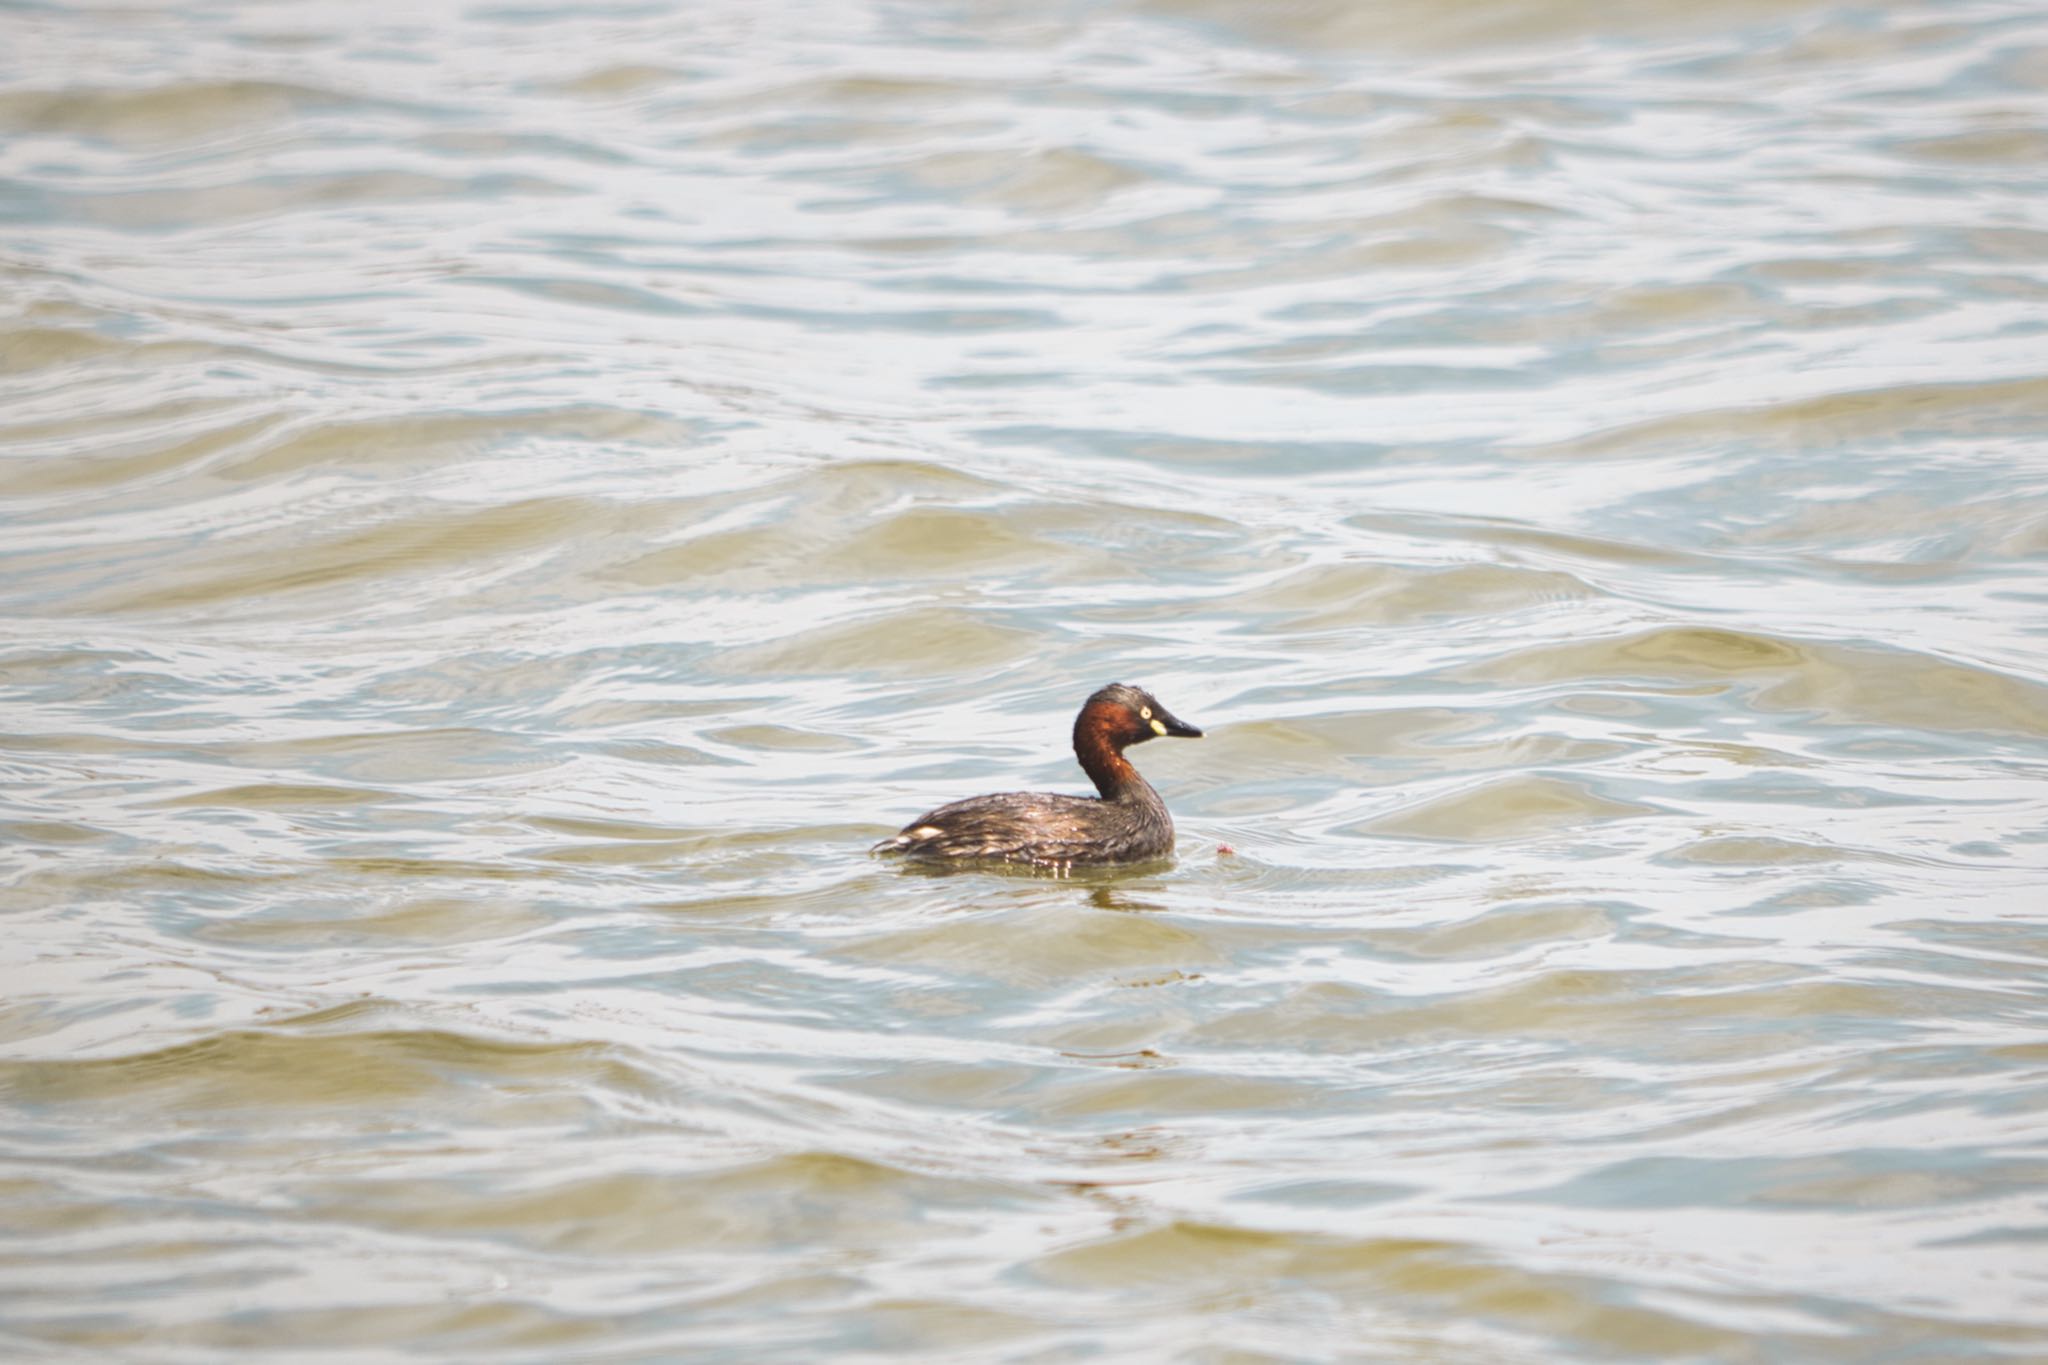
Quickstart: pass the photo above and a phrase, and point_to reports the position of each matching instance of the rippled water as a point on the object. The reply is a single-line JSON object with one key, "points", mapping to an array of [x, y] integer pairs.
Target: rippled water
{"points": [[503, 504]]}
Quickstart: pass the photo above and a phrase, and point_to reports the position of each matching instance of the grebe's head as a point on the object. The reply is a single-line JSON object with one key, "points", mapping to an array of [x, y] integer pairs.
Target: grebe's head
{"points": [[1128, 715]]}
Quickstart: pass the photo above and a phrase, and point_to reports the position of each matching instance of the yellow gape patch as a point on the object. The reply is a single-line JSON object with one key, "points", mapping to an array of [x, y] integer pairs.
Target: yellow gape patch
{"points": [[1158, 727]]}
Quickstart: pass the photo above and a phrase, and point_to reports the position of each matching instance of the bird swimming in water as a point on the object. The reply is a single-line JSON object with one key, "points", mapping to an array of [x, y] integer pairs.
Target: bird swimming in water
{"points": [[1127, 823]]}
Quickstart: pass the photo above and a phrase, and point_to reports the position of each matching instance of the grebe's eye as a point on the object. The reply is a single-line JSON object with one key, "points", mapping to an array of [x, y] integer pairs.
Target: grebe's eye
{"points": [[1144, 713]]}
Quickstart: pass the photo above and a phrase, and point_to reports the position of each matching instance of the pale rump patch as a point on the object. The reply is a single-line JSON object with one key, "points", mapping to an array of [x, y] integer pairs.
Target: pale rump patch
{"points": [[925, 832]]}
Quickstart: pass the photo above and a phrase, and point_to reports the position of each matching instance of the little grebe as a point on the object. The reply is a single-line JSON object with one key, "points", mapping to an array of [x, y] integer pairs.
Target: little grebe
{"points": [[1128, 823]]}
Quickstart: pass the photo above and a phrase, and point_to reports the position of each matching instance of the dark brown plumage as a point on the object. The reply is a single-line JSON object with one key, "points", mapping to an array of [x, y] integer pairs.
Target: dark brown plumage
{"points": [[1127, 823]]}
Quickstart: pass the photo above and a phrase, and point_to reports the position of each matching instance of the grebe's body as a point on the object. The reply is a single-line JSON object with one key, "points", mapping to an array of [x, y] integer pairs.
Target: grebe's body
{"points": [[1127, 823]]}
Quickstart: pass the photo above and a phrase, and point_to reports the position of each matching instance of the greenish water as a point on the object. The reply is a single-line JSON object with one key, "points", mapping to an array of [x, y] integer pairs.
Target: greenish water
{"points": [[500, 506]]}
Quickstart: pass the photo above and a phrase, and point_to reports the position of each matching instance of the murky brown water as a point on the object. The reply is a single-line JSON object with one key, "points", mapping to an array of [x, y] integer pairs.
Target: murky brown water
{"points": [[500, 505]]}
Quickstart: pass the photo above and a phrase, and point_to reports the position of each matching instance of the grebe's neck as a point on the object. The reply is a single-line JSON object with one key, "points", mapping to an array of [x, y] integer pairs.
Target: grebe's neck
{"points": [[1097, 745]]}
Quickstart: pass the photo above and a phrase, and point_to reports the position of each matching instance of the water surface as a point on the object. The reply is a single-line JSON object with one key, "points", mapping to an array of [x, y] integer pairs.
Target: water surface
{"points": [[500, 506]]}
